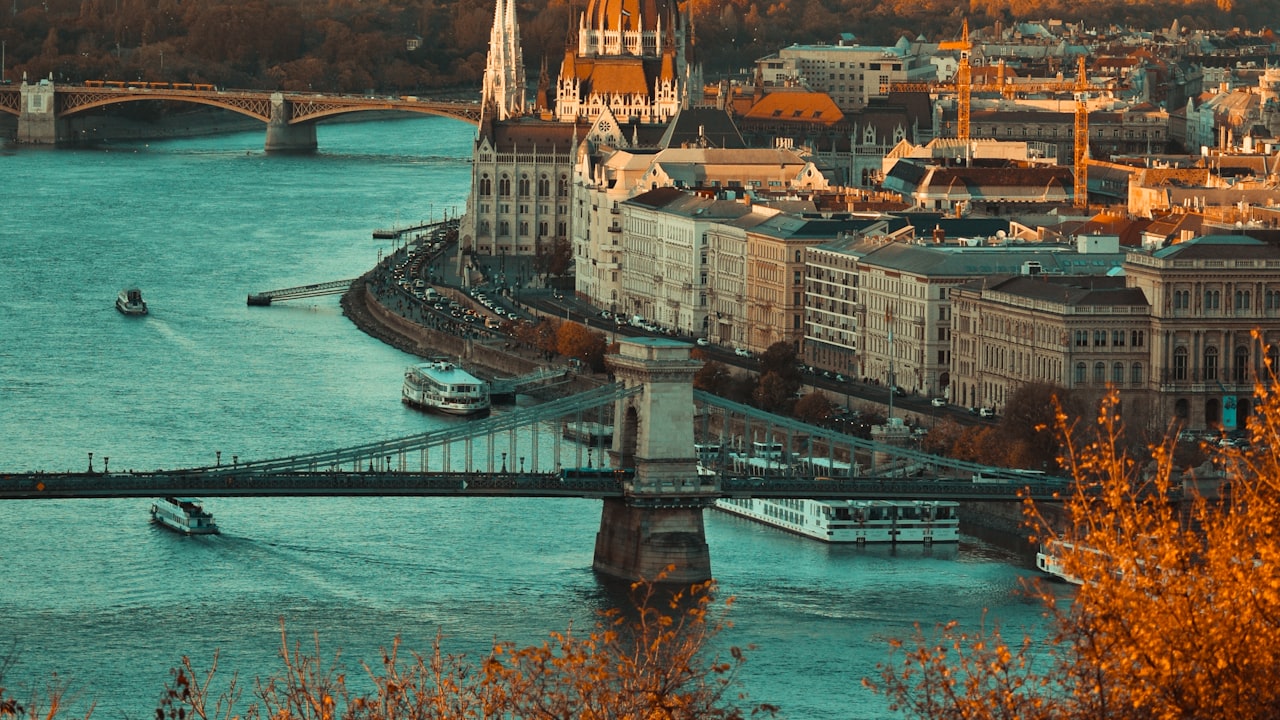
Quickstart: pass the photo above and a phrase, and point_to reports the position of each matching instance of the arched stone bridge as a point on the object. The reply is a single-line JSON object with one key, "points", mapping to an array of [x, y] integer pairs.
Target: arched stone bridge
{"points": [[44, 108]]}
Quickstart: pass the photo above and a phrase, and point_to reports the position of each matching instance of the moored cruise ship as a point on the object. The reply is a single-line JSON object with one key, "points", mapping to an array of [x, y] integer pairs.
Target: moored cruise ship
{"points": [[855, 521], [441, 386]]}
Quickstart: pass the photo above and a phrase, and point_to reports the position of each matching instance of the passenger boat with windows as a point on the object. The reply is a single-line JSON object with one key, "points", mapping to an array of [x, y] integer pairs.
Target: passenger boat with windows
{"points": [[854, 521], [441, 386], [1051, 559], [130, 302], [183, 515]]}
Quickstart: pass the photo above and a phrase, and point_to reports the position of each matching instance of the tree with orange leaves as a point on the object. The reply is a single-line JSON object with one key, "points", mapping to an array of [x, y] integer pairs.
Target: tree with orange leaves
{"points": [[650, 664], [1178, 613]]}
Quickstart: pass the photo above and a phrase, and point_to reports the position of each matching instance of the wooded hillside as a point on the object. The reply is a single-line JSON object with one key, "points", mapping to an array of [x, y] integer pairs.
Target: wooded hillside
{"points": [[399, 46]]}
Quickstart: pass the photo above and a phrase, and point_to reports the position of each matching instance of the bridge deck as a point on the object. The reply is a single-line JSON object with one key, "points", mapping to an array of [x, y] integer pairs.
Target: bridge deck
{"points": [[461, 484]]}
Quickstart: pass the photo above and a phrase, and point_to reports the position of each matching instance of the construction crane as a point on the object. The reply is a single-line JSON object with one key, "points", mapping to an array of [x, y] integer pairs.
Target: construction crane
{"points": [[964, 87]]}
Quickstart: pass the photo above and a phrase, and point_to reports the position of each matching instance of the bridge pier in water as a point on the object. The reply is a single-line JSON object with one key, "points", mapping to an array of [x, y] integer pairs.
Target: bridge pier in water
{"points": [[659, 523], [38, 123], [284, 137]]}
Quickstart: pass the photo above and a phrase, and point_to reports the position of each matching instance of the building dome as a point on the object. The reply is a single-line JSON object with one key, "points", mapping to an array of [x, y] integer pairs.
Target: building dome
{"points": [[627, 15]]}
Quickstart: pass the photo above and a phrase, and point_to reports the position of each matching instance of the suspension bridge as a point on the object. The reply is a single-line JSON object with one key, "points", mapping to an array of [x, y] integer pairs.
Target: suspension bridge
{"points": [[646, 474]]}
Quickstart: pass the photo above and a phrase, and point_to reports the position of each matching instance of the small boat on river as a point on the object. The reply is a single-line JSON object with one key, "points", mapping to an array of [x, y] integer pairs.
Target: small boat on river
{"points": [[183, 515], [130, 302], [441, 386]]}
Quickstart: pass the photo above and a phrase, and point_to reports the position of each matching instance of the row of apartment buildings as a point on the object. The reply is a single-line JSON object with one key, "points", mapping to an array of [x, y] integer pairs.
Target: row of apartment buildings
{"points": [[1172, 328]]}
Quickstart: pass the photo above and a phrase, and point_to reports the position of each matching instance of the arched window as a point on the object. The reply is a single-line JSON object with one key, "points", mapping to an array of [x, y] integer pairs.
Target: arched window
{"points": [[1244, 300], [504, 228], [1099, 372], [1135, 375], [486, 185], [1211, 363], [1117, 373], [504, 185], [544, 186], [1240, 365], [524, 185], [1080, 373], [562, 187], [1180, 364]]}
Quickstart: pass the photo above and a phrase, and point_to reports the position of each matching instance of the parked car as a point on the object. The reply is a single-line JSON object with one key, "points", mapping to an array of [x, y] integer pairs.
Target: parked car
{"points": [[703, 342], [986, 412], [742, 352], [939, 402]]}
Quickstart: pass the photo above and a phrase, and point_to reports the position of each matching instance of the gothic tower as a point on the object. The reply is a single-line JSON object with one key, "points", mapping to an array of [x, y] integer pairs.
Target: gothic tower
{"points": [[630, 58], [504, 85]]}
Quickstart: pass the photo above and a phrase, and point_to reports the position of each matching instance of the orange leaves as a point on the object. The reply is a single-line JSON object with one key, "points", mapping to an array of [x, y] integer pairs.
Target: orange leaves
{"points": [[1179, 613], [648, 661]]}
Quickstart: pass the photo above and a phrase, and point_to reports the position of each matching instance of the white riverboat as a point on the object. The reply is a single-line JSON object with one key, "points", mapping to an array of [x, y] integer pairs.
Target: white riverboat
{"points": [[184, 515], [441, 386], [1050, 559], [130, 302], [855, 521]]}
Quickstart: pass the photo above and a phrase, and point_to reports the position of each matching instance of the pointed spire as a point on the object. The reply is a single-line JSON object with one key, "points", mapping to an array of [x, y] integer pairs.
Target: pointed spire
{"points": [[504, 81]]}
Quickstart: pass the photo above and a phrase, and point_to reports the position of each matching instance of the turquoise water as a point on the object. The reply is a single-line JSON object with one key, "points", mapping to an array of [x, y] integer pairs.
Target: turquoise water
{"points": [[93, 591]]}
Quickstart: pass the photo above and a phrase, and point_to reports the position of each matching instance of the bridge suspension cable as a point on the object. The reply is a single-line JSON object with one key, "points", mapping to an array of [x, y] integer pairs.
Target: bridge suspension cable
{"points": [[505, 422]]}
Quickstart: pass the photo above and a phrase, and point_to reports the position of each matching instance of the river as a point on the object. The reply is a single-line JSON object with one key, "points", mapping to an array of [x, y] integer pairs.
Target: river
{"points": [[93, 592]]}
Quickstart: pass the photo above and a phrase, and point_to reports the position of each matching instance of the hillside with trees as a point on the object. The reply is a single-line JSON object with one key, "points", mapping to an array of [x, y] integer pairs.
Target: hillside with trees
{"points": [[397, 46]]}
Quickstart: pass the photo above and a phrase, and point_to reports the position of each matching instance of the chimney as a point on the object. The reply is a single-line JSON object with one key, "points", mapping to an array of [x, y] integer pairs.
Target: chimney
{"points": [[939, 235]]}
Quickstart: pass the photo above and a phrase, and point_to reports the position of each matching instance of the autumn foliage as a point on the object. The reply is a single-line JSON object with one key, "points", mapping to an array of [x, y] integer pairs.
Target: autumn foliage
{"points": [[651, 662], [1178, 615]]}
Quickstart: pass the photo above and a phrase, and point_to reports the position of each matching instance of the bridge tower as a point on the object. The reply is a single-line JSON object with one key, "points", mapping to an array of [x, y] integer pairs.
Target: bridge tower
{"points": [[659, 521], [283, 137], [38, 122]]}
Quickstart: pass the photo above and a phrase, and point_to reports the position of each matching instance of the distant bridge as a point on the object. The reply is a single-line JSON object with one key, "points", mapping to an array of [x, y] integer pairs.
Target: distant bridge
{"points": [[44, 108], [647, 475]]}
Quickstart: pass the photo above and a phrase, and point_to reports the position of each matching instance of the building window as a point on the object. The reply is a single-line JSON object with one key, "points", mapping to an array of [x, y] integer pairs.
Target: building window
{"points": [[1099, 338], [1211, 363], [1180, 364], [1137, 337], [1272, 298], [544, 186], [1099, 372], [1212, 299], [1243, 300], [486, 185], [504, 185], [1117, 373], [1240, 367], [1082, 338], [562, 187], [1080, 373], [1135, 375], [1181, 299], [524, 186], [1117, 338]]}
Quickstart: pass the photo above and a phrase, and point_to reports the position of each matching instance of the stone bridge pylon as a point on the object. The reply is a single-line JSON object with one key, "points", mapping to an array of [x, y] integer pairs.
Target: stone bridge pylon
{"points": [[658, 523]]}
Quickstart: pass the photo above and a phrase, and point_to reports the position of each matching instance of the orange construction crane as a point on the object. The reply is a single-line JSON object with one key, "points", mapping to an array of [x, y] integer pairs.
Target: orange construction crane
{"points": [[964, 87]]}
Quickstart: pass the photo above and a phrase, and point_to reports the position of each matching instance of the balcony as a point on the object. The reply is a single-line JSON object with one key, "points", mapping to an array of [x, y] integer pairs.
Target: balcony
{"points": [[615, 228]]}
